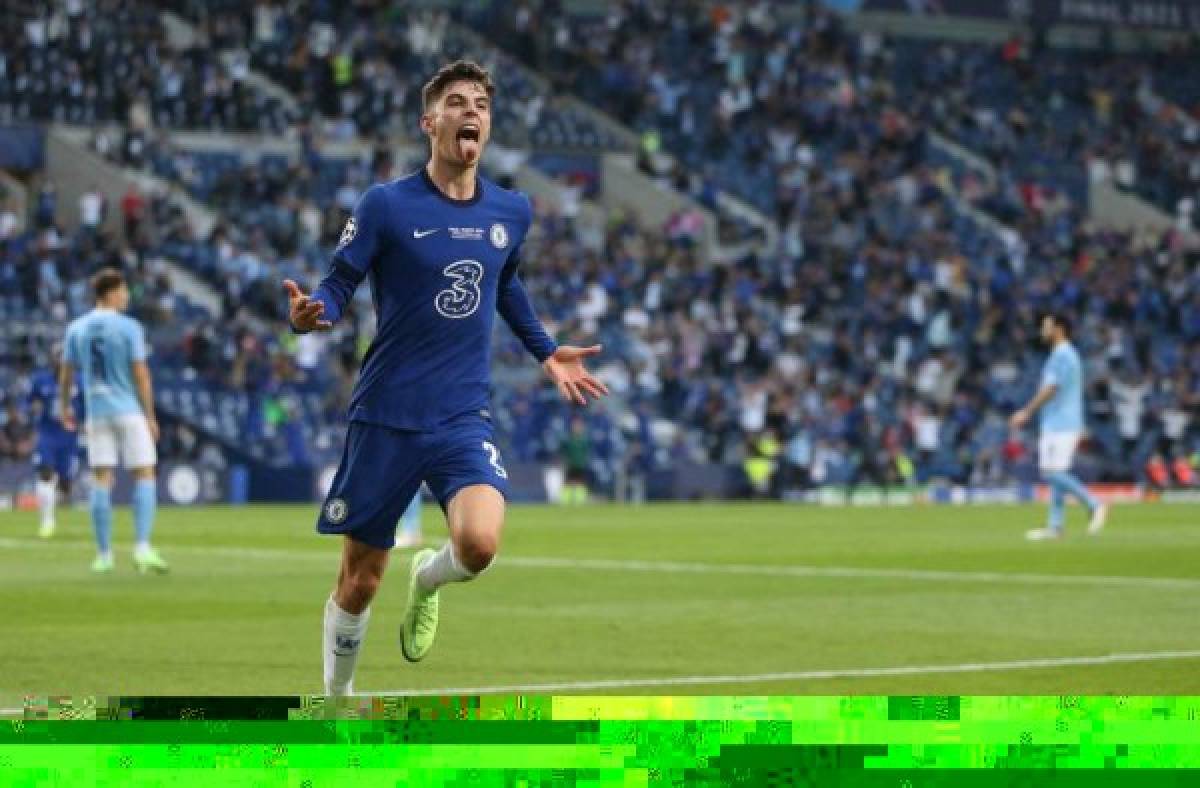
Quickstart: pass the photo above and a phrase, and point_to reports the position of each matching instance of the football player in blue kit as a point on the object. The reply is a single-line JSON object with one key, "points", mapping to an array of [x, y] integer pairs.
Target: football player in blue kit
{"points": [[441, 250], [56, 455]]}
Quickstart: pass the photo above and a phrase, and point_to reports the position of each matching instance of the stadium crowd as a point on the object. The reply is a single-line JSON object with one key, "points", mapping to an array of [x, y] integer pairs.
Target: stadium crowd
{"points": [[360, 67], [112, 61], [886, 340], [1051, 120], [786, 85], [899, 364]]}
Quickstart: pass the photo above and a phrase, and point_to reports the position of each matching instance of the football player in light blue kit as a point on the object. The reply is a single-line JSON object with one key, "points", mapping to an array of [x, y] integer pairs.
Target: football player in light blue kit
{"points": [[109, 350], [410, 525], [1060, 402]]}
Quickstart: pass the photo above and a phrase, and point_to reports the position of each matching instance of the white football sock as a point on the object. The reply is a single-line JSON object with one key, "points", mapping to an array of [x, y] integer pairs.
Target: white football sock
{"points": [[343, 637], [46, 492], [443, 568]]}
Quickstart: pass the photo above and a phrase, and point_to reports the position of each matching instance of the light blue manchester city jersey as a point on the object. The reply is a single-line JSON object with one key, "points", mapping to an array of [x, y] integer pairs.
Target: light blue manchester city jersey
{"points": [[1064, 411], [103, 345]]}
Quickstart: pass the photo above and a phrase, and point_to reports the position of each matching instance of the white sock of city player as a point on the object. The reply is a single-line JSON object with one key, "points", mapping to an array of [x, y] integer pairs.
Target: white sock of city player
{"points": [[343, 637], [46, 492], [443, 568]]}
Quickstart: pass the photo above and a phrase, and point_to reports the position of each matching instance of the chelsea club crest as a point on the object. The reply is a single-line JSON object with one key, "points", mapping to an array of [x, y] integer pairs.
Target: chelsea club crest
{"points": [[336, 511], [498, 236]]}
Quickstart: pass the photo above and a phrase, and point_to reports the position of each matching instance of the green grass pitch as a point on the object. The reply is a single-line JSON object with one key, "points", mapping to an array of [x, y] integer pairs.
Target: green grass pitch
{"points": [[663, 599]]}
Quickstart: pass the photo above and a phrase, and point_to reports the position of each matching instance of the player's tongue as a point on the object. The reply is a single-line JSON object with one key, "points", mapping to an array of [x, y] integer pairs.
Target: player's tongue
{"points": [[468, 143]]}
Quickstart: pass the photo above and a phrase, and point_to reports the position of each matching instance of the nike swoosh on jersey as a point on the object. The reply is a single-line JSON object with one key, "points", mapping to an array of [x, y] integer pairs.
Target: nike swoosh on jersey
{"points": [[423, 233]]}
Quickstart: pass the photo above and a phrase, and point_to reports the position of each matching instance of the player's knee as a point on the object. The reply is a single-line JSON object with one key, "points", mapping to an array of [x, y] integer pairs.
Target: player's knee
{"points": [[477, 552], [46, 474], [357, 589]]}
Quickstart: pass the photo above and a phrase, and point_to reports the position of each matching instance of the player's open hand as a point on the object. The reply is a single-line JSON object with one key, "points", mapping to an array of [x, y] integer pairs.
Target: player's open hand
{"points": [[304, 312], [68, 422], [566, 369], [1019, 419]]}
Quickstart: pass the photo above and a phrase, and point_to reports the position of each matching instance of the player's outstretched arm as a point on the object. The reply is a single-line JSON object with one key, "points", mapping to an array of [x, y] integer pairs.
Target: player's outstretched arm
{"points": [[565, 367], [304, 312], [563, 364]]}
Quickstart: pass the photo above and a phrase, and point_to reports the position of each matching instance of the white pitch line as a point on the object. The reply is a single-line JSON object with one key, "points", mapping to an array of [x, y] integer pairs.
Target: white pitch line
{"points": [[266, 553], [883, 573], [806, 675], [684, 567]]}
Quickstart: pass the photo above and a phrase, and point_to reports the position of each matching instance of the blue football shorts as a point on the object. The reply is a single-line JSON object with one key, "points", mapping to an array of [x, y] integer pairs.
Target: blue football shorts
{"points": [[58, 450], [382, 469]]}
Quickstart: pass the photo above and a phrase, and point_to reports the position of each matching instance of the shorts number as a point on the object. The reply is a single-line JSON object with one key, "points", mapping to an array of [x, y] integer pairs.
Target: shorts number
{"points": [[99, 368], [494, 459], [461, 299]]}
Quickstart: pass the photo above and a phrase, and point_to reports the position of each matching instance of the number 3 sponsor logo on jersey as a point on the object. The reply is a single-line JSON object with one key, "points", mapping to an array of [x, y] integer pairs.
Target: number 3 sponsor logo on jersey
{"points": [[461, 298]]}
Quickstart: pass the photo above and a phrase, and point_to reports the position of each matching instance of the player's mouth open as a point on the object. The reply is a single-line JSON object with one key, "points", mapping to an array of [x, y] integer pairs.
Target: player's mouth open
{"points": [[468, 142]]}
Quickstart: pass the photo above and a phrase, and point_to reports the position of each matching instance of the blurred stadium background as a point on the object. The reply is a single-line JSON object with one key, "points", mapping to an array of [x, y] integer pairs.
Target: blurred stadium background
{"points": [[812, 236]]}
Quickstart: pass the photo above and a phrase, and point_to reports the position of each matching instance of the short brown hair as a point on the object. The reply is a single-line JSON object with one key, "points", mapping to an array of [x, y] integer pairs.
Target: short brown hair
{"points": [[458, 71], [1061, 319], [106, 280]]}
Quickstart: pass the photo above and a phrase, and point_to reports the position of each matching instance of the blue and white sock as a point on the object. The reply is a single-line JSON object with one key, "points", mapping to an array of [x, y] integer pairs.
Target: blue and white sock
{"points": [[1072, 486], [342, 637], [442, 568], [1058, 506], [46, 492], [145, 499], [102, 520]]}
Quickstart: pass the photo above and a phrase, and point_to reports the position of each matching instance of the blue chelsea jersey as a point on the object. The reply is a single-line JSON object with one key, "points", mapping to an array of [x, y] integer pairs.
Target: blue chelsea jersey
{"points": [[439, 269], [43, 389]]}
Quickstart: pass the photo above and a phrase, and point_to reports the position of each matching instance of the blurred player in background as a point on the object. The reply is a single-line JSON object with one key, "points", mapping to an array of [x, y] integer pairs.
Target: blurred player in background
{"points": [[1060, 402], [109, 350], [441, 248], [55, 454], [410, 524]]}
